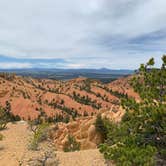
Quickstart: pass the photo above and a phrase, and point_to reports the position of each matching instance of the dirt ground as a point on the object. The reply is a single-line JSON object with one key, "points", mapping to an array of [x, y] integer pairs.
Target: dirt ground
{"points": [[81, 158], [14, 144]]}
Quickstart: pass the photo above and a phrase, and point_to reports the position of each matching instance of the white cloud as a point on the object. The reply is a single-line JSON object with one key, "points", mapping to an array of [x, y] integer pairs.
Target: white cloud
{"points": [[12, 65], [78, 29], [75, 66]]}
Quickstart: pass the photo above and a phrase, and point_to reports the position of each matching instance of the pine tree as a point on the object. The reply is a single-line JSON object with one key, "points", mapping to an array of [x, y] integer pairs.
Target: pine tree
{"points": [[140, 138]]}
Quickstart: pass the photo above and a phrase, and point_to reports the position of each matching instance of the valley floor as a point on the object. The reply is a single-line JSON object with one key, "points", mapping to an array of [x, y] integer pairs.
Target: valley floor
{"points": [[14, 150]]}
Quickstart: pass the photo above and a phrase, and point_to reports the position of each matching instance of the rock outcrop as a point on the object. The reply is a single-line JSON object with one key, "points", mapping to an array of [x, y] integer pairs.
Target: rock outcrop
{"points": [[83, 130]]}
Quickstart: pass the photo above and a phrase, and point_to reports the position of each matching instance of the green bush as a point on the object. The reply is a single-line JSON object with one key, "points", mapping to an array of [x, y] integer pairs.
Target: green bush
{"points": [[40, 134], [140, 138], [102, 126], [71, 145]]}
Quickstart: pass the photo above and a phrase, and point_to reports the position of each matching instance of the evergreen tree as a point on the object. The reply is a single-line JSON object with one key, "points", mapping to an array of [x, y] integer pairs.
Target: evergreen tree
{"points": [[140, 138]]}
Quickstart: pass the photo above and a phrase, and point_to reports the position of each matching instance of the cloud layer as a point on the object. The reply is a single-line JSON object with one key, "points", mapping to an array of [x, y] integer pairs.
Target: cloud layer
{"points": [[82, 33]]}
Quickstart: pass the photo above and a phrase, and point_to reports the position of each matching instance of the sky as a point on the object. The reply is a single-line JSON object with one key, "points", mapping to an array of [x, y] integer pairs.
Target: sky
{"points": [[115, 34]]}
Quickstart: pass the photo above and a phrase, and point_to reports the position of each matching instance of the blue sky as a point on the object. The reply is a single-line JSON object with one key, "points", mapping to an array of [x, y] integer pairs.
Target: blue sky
{"points": [[116, 34]]}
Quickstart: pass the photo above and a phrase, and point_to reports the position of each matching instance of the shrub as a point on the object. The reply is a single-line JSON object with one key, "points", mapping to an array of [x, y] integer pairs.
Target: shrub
{"points": [[85, 113], [71, 145], [3, 119], [40, 134], [1, 137], [102, 126]]}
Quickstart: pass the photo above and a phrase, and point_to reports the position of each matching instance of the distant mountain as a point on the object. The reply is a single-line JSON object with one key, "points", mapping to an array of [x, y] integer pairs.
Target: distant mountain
{"points": [[105, 75], [56, 70]]}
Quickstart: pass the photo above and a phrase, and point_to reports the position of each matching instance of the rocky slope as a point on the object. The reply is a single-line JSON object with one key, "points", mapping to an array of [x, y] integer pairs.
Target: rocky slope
{"points": [[29, 98], [76, 101], [122, 85]]}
